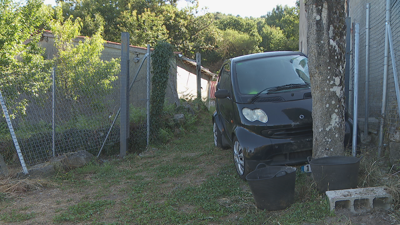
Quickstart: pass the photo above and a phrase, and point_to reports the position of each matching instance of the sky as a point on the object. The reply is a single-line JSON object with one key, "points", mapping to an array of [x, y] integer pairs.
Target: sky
{"points": [[243, 8]]}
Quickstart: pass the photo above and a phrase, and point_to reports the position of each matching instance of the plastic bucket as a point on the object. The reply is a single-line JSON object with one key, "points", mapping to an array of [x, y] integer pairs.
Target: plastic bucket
{"points": [[335, 172], [272, 186]]}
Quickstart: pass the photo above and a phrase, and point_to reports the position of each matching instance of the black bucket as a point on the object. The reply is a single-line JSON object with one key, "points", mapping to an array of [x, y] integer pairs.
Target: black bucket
{"points": [[272, 186], [335, 172]]}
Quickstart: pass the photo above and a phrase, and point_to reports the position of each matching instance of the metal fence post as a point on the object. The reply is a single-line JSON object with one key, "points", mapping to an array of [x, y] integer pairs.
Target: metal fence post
{"points": [[14, 138], [148, 95], [124, 129], [366, 72], [385, 77], [53, 111], [198, 71], [395, 78], [355, 113]]}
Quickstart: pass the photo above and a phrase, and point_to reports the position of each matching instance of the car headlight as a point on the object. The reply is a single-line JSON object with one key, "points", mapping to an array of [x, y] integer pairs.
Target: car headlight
{"points": [[256, 114]]}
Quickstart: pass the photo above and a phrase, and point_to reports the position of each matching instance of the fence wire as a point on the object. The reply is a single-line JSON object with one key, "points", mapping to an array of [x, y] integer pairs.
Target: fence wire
{"points": [[85, 105], [77, 108], [83, 111], [377, 17]]}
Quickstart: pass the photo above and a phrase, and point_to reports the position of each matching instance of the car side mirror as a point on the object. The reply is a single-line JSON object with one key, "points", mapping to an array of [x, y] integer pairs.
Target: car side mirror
{"points": [[223, 93]]}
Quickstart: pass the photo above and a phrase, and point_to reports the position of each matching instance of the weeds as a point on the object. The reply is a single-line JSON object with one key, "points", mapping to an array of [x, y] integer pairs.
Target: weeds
{"points": [[184, 181], [15, 216], [369, 171], [84, 211]]}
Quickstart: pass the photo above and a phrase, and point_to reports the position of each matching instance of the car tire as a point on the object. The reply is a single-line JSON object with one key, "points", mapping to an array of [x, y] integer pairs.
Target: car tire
{"points": [[238, 159], [217, 136]]}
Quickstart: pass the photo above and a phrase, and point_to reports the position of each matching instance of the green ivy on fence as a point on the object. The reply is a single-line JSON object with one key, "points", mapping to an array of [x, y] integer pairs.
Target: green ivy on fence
{"points": [[161, 56]]}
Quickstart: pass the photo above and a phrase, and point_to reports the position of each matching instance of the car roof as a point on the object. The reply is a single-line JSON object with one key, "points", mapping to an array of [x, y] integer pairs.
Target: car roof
{"points": [[265, 54]]}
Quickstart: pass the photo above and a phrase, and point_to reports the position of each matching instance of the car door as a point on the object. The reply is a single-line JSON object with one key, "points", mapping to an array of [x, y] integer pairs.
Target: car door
{"points": [[225, 105]]}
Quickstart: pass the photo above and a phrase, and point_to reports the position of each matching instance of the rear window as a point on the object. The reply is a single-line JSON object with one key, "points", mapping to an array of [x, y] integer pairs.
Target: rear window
{"points": [[256, 75]]}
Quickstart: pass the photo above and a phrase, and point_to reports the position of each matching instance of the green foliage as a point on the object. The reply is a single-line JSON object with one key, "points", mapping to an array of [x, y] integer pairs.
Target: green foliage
{"points": [[236, 43], [80, 71], [211, 34], [137, 115], [23, 68], [150, 29], [142, 18], [273, 38], [165, 135], [287, 20], [243, 25], [161, 56]]}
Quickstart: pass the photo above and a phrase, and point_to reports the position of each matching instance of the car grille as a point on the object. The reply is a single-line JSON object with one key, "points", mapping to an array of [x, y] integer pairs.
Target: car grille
{"points": [[288, 132]]}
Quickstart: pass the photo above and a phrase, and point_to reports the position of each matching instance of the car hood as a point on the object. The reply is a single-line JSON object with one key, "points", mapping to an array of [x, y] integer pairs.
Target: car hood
{"points": [[285, 109]]}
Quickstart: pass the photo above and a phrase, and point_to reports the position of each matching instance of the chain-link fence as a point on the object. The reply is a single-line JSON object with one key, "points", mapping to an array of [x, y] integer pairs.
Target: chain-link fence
{"points": [[371, 17], [80, 108]]}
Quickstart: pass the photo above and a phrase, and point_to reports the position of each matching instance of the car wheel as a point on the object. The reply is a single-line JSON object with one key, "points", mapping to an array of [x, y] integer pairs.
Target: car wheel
{"points": [[238, 159]]}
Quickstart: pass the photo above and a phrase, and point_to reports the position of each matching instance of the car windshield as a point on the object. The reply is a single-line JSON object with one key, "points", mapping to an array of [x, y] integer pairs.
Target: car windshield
{"points": [[260, 74]]}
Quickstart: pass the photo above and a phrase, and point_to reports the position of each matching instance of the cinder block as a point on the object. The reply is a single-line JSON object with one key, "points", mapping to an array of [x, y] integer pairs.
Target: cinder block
{"points": [[360, 199]]}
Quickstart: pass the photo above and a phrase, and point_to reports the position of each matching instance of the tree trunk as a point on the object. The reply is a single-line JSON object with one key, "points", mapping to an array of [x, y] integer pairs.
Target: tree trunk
{"points": [[326, 51]]}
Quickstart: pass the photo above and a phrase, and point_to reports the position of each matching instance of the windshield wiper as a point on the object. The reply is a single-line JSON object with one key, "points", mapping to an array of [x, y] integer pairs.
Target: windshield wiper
{"points": [[259, 93], [290, 86], [278, 88]]}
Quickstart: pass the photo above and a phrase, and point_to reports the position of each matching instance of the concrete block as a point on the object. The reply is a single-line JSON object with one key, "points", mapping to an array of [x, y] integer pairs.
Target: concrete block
{"points": [[360, 199]]}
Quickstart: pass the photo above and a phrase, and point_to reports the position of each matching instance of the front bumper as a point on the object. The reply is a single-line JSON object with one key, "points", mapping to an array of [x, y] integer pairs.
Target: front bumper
{"points": [[260, 149]]}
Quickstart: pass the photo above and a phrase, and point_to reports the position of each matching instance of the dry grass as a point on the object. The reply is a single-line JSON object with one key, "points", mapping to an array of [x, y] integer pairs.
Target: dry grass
{"points": [[12, 187], [369, 173], [373, 173], [393, 185]]}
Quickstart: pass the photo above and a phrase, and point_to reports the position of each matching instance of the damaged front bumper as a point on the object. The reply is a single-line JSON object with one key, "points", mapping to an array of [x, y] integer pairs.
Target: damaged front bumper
{"points": [[282, 151]]}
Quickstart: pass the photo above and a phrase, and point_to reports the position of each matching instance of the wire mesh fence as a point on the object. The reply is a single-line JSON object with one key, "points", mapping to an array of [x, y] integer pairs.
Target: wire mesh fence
{"points": [[78, 105], [370, 101], [79, 110]]}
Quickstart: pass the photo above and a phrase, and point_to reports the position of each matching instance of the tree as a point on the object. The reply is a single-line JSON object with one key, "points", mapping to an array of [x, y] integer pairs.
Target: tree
{"points": [[287, 20], [146, 28], [23, 68], [326, 49], [273, 38], [243, 25], [235, 43], [117, 16], [80, 70]]}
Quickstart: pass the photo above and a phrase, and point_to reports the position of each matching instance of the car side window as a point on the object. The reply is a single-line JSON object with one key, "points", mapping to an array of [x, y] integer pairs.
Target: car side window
{"points": [[225, 77]]}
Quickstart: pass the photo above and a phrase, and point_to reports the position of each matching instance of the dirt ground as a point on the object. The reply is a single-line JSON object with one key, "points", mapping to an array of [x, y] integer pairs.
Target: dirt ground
{"points": [[47, 201]]}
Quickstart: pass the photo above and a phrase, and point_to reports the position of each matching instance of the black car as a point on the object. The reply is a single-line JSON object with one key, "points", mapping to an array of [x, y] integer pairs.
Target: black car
{"points": [[263, 110]]}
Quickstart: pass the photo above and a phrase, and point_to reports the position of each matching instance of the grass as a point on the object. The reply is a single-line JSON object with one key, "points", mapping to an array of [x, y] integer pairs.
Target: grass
{"points": [[84, 211], [187, 181], [15, 216]]}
